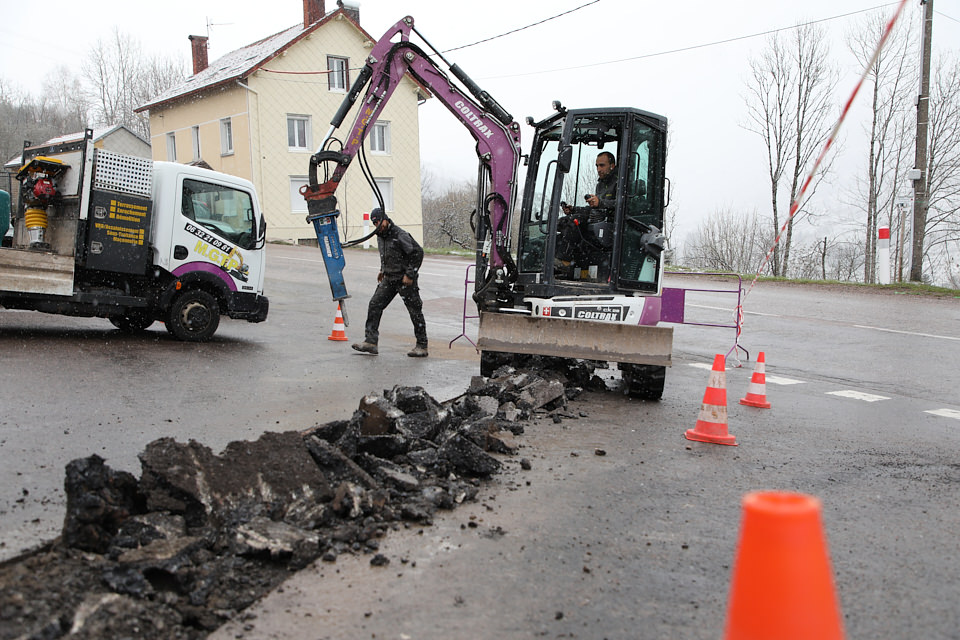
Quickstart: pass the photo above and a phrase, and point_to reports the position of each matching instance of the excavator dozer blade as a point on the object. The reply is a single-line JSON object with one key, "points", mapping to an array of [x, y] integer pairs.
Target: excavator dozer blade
{"points": [[516, 333]]}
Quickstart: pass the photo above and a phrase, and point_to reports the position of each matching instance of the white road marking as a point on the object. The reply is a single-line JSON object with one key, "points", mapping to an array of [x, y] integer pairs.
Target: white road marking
{"points": [[701, 365], [857, 395], [945, 413], [908, 333], [767, 378], [783, 381], [746, 313], [300, 259]]}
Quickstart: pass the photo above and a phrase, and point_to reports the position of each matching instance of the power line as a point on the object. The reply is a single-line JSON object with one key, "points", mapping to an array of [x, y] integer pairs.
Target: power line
{"points": [[698, 46], [534, 24], [943, 15]]}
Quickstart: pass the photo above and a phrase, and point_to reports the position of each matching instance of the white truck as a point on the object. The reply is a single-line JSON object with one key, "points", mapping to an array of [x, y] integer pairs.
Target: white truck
{"points": [[101, 234]]}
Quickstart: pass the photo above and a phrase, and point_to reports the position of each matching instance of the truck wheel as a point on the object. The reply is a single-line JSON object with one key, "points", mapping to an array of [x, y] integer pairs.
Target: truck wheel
{"points": [[194, 316], [644, 381], [133, 322]]}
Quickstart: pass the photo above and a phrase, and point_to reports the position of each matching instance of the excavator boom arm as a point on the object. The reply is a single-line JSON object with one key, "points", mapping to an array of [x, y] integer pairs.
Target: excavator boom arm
{"points": [[497, 135]]}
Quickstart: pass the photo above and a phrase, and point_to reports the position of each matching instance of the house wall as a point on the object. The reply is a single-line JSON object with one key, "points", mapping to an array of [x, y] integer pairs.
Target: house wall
{"points": [[126, 142], [259, 112], [205, 113], [302, 90]]}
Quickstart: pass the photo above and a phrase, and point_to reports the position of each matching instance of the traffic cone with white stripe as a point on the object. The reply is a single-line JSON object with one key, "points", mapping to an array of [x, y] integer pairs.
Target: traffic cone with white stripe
{"points": [[712, 424], [757, 391], [338, 331]]}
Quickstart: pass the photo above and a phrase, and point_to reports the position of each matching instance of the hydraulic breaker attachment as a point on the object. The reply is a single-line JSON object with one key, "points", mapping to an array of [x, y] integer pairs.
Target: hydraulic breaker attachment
{"points": [[606, 341], [328, 237]]}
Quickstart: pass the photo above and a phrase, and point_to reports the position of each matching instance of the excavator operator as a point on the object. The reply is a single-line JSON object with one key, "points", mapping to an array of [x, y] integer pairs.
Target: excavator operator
{"points": [[586, 234]]}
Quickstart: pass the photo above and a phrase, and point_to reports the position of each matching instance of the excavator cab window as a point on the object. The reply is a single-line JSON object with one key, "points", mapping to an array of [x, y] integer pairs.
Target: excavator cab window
{"points": [[575, 209], [640, 239], [597, 222]]}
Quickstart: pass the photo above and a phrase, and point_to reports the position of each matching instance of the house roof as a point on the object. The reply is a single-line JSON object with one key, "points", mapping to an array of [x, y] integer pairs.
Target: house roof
{"points": [[244, 61], [98, 134]]}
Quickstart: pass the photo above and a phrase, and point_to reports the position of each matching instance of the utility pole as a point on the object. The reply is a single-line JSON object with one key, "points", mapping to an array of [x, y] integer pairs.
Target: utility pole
{"points": [[920, 182]]}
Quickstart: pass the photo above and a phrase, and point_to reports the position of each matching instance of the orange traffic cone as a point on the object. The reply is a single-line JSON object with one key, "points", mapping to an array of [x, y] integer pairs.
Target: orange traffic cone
{"points": [[338, 331], [782, 585], [757, 391], [712, 424]]}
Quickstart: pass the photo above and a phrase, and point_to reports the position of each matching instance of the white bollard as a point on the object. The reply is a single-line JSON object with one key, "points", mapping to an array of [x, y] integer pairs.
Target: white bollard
{"points": [[366, 229], [883, 255]]}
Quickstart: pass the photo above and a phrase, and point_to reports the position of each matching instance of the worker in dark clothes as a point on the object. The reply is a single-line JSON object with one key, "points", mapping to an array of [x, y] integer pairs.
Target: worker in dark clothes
{"points": [[400, 259]]}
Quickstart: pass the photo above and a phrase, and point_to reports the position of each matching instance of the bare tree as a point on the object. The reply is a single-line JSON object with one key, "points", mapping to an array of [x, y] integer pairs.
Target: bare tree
{"points": [[727, 241], [890, 146], [121, 79], [943, 158], [59, 109], [770, 117], [790, 107], [447, 217]]}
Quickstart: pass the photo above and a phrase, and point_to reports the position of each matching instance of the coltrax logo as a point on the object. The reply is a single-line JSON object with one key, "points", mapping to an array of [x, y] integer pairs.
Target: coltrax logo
{"points": [[474, 119], [601, 313]]}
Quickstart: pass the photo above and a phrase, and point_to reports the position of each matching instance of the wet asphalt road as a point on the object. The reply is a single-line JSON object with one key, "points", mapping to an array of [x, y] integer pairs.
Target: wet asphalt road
{"points": [[636, 543]]}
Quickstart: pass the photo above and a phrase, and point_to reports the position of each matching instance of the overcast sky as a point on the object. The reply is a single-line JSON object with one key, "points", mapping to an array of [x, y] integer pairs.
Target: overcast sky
{"points": [[608, 53]]}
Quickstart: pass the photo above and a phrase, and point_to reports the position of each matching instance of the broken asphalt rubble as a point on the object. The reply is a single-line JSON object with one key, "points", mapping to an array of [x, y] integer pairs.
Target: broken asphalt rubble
{"points": [[200, 536]]}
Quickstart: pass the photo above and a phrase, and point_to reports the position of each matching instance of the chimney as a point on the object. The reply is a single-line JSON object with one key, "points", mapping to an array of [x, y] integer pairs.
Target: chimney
{"points": [[313, 11], [351, 8], [198, 45]]}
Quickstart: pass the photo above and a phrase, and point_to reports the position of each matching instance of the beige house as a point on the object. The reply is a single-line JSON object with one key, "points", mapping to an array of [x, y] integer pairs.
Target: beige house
{"points": [[260, 112]]}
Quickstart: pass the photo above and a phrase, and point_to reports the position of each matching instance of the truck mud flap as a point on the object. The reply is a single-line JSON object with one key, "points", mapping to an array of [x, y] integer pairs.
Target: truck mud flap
{"points": [[27, 271], [515, 333]]}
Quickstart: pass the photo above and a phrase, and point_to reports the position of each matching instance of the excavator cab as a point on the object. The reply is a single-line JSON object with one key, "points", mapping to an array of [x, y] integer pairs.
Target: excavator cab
{"points": [[586, 233]]}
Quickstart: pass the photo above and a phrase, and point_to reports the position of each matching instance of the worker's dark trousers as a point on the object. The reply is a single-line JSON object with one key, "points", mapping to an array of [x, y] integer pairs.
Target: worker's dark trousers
{"points": [[386, 291]]}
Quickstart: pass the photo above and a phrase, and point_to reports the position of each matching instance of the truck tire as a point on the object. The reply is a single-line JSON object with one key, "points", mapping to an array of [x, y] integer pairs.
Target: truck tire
{"points": [[132, 322], [644, 381], [194, 316]]}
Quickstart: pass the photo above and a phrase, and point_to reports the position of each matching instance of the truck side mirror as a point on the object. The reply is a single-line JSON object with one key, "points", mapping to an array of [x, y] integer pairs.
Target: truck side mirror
{"points": [[565, 159], [261, 231]]}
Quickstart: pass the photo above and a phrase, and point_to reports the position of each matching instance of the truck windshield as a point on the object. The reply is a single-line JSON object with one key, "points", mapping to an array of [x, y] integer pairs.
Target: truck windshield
{"points": [[225, 211]]}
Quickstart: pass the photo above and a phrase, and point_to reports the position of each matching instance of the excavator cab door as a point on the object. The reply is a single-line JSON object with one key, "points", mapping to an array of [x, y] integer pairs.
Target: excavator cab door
{"points": [[570, 242]]}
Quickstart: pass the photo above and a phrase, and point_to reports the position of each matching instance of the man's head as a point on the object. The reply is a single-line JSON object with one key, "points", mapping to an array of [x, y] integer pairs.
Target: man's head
{"points": [[377, 216], [606, 164]]}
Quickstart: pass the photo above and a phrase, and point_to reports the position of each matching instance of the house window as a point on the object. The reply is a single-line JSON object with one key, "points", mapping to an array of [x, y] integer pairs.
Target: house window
{"points": [[226, 137], [338, 76], [172, 147], [385, 185], [195, 136], [298, 132], [380, 138], [297, 203]]}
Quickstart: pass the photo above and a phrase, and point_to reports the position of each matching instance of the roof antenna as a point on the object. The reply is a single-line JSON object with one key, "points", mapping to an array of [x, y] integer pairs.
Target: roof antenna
{"points": [[210, 25]]}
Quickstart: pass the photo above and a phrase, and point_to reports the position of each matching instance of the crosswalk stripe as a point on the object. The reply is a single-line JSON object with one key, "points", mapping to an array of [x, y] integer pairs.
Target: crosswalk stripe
{"points": [[945, 413], [857, 395]]}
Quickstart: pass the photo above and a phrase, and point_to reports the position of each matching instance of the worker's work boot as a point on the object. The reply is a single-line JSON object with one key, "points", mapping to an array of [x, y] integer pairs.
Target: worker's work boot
{"points": [[418, 352], [366, 347]]}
